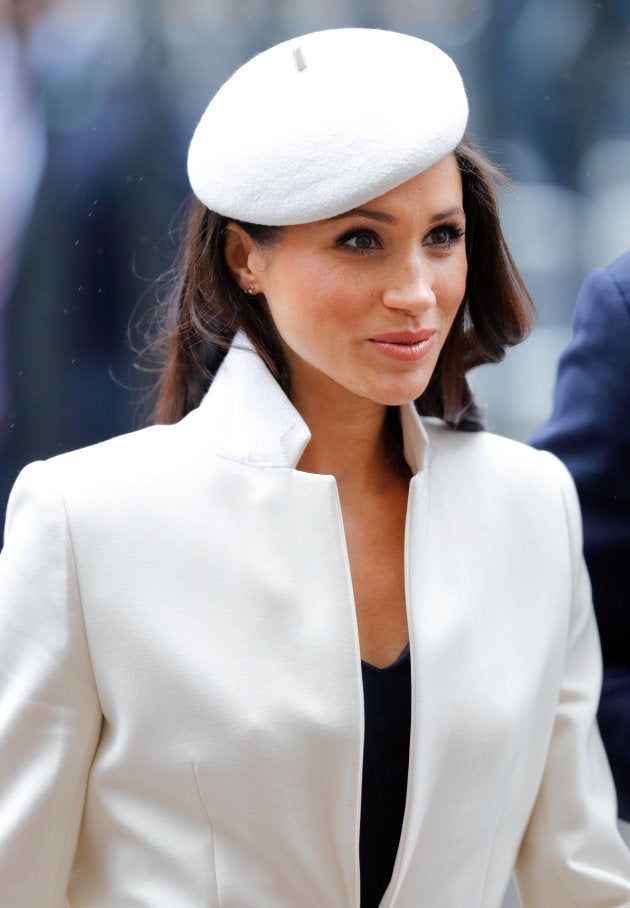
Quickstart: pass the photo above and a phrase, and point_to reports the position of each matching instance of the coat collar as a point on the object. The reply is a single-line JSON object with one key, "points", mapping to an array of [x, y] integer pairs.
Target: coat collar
{"points": [[255, 422]]}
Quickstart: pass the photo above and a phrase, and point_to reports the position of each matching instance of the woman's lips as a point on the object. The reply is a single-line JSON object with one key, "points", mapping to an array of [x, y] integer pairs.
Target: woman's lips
{"points": [[406, 346]]}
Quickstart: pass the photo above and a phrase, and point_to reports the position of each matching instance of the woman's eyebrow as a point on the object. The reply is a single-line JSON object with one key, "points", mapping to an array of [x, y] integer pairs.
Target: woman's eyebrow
{"points": [[382, 216], [386, 218], [448, 213]]}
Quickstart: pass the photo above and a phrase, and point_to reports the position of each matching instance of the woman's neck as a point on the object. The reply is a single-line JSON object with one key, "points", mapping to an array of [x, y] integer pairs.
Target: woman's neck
{"points": [[350, 440]]}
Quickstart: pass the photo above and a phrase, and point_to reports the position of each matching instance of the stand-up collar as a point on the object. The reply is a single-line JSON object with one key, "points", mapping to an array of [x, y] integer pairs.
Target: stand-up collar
{"points": [[253, 421]]}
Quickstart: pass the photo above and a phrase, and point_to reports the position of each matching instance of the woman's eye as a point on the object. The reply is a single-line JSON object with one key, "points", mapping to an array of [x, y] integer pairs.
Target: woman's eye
{"points": [[361, 240], [444, 236]]}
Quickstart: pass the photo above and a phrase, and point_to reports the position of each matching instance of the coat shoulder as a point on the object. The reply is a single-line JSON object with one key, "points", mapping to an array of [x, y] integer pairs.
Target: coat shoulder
{"points": [[136, 466], [487, 453], [619, 273], [125, 457], [507, 483]]}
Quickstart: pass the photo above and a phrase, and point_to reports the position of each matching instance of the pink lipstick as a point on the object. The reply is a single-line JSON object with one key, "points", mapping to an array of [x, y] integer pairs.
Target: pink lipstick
{"points": [[405, 346]]}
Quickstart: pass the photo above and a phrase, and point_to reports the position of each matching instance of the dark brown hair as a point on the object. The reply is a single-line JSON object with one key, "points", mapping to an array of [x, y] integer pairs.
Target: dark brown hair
{"points": [[205, 308]]}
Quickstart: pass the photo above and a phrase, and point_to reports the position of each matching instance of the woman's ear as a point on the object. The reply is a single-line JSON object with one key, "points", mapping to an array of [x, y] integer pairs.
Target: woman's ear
{"points": [[240, 253]]}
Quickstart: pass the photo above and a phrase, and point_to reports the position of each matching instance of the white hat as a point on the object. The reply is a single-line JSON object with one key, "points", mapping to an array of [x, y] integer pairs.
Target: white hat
{"points": [[320, 124]]}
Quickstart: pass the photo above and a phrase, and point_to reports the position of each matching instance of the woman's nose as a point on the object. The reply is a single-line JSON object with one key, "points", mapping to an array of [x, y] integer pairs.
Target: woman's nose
{"points": [[410, 286]]}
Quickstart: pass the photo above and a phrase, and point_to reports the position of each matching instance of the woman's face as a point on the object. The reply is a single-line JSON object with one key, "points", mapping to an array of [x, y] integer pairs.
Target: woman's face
{"points": [[364, 301]]}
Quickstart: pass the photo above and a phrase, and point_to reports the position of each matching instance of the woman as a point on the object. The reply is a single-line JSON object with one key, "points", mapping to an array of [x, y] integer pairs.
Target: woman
{"points": [[207, 695]]}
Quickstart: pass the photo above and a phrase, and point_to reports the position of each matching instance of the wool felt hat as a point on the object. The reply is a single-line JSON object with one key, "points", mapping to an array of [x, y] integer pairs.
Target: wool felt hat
{"points": [[323, 123]]}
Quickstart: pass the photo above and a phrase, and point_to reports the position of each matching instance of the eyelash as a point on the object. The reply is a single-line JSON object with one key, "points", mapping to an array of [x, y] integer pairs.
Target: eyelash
{"points": [[453, 230], [355, 232]]}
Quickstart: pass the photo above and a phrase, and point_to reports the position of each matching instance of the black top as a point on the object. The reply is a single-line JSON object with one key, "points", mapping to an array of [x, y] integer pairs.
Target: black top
{"points": [[387, 698]]}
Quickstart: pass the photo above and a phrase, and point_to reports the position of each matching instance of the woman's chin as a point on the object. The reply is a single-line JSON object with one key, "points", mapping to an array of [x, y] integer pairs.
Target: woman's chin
{"points": [[399, 397]]}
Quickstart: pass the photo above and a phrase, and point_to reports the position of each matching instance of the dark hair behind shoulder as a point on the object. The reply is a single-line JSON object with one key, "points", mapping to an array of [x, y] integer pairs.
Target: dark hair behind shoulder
{"points": [[205, 308], [497, 311]]}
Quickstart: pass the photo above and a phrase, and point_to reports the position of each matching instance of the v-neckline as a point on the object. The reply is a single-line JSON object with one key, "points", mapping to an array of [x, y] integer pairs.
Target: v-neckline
{"points": [[385, 668]]}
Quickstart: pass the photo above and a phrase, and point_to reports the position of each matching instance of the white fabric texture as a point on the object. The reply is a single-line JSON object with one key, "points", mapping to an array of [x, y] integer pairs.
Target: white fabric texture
{"points": [[370, 109], [181, 716]]}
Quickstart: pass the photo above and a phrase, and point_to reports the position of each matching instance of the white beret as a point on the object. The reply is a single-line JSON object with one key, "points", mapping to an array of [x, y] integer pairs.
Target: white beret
{"points": [[320, 124]]}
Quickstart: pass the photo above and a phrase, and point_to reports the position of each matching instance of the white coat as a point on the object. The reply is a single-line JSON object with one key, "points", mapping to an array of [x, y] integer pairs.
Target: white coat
{"points": [[181, 712]]}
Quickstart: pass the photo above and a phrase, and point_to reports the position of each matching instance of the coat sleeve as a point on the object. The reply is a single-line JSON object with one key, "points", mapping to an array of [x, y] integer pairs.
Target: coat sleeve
{"points": [[572, 854], [49, 712]]}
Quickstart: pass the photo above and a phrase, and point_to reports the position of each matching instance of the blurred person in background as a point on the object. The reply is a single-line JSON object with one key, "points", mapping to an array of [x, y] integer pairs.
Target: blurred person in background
{"points": [[315, 638], [22, 154], [92, 161], [589, 429]]}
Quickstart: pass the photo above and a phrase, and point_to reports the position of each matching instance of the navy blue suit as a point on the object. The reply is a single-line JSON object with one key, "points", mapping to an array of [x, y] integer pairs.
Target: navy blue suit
{"points": [[589, 430]]}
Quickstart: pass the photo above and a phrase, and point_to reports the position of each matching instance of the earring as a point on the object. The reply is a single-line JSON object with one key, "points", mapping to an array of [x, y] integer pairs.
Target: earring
{"points": [[250, 290]]}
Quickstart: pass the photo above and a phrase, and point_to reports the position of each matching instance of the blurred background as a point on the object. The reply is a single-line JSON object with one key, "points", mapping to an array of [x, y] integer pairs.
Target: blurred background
{"points": [[98, 101]]}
